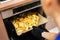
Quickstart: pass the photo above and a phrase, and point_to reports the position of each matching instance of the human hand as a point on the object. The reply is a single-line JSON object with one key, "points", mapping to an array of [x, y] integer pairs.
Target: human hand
{"points": [[49, 36]]}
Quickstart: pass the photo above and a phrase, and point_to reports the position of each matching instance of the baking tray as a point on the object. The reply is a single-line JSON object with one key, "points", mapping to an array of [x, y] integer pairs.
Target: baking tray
{"points": [[41, 21]]}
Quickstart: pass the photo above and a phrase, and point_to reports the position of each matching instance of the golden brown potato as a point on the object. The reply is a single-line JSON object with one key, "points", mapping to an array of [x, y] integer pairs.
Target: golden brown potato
{"points": [[25, 22]]}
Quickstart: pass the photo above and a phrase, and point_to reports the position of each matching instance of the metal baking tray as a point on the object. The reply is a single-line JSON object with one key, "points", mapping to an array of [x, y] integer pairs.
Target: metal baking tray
{"points": [[41, 20]]}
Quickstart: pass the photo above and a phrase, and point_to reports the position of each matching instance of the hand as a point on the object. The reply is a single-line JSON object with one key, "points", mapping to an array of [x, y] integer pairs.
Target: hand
{"points": [[49, 36]]}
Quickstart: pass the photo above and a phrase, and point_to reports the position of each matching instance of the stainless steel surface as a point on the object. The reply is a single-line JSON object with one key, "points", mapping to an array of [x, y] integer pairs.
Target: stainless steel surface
{"points": [[6, 14], [27, 9], [9, 13]]}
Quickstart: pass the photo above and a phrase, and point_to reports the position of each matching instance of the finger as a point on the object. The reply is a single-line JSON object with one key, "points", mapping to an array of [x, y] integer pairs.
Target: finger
{"points": [[50, 36]]}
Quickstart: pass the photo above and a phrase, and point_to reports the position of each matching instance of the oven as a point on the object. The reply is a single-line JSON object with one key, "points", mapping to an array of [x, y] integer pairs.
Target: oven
{"points": [[8, 15]]}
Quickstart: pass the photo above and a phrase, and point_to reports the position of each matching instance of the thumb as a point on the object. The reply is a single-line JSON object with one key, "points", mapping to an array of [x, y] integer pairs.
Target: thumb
{"points": [[49, 36]]}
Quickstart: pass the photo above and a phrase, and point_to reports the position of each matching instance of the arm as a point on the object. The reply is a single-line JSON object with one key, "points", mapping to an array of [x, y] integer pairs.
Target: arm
{"points": [[56, 18], [52, 9]]}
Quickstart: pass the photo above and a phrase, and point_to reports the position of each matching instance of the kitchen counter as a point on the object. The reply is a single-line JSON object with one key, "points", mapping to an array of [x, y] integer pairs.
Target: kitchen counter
{"points": [[12, 3]]}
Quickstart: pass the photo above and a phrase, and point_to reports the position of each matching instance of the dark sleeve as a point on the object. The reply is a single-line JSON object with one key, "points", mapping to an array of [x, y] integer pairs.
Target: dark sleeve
{"points": [[37, 32]]}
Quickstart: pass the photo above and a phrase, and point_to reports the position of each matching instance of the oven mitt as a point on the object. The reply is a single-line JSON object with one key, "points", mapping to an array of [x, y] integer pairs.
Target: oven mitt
{"points": [[37, 32]]}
